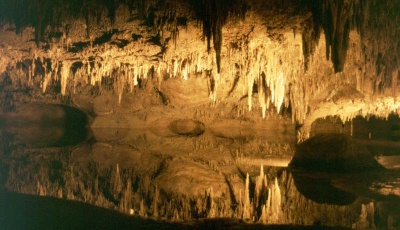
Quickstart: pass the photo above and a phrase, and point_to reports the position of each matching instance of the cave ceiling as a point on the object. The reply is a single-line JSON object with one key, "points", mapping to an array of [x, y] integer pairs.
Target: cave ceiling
{"points": [[312, 57]]}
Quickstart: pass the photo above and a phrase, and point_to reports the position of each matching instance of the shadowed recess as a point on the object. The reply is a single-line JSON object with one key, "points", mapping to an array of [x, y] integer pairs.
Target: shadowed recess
{"points": [[46, 125]]}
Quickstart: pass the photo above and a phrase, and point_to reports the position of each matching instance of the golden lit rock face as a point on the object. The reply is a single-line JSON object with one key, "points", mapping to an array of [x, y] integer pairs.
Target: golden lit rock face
{"points": [[275, 59]]}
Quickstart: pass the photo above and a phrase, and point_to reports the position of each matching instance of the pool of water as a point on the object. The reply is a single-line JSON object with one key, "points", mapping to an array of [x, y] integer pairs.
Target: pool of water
{"points": [[202, 177]]}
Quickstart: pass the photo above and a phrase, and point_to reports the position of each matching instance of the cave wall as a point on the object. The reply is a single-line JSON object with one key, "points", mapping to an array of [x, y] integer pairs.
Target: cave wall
{"points": [[274, 58]]}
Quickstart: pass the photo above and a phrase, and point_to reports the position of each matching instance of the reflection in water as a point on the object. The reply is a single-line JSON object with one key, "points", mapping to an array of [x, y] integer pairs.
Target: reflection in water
{"points": [[40, 125], [158, 173], [321, 190]]}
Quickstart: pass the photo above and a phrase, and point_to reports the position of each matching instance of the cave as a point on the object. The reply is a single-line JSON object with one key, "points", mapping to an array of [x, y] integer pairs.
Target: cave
{"points": [[199, 114]]}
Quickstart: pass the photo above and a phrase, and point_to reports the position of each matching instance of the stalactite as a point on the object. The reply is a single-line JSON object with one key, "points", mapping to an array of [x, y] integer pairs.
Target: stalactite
{"points": [[65, 74], [135, 75], [185, 69], [121, 79], [214, 14], [310, 39], [46, 80], [78, 76], [336, 18], [250, 83], [262, 95], [175, 67], [279, 91]]}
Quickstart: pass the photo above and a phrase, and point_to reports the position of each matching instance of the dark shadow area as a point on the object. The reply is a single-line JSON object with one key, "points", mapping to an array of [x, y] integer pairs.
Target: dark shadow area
{"points": [[136, 37], [75, 126], [120, 43], [78, 46], [336, 19], [106, 37], [321, 190], [33, 212], [336, 169], [380, 136], [333, 153]]}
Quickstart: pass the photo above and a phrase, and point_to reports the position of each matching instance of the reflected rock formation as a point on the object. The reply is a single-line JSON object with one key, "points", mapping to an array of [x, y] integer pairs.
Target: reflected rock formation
{"points": [[336, 169], [333, 153], [46, 125]]}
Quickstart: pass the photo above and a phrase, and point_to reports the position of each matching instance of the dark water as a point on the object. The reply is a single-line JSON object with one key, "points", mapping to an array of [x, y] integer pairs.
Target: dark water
{"points": [[46, 125], [32, 212], [102, 172]]}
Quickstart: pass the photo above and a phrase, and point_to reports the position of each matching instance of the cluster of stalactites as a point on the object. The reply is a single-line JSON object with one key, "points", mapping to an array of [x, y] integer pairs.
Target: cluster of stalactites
{"points": [[267, 70], [128, 74], [125, 74], [192, 63], [336, 18]]}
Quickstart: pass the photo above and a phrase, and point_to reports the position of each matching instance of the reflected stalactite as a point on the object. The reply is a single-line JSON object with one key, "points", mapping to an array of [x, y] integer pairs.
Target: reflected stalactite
{"points": [[269, 200]]}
